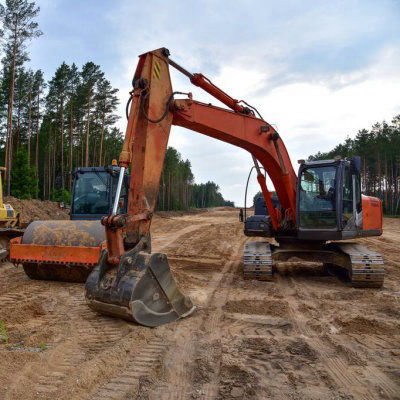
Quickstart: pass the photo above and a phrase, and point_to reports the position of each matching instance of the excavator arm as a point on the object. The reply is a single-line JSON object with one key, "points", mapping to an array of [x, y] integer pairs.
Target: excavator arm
{"points": [[153, 110]]}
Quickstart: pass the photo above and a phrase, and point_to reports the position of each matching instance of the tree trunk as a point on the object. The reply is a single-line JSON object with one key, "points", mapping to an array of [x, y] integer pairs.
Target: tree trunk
{"points": [[9, 125], [18, 122], [386, 185], [37, 135], [49, 174], [54, 165], [70, 145], [88, 130], [29, 128], [169, 190], [102, 138], [380, 176], [62, 143], [94, 152]]}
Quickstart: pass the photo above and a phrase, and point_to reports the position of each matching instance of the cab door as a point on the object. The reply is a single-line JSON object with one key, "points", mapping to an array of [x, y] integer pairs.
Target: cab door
{"points": [[351, 215]]}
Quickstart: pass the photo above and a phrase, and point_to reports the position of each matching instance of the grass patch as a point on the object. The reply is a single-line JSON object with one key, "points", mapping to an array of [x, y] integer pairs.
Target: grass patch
{"points": [[42, 346], [3, 331]]}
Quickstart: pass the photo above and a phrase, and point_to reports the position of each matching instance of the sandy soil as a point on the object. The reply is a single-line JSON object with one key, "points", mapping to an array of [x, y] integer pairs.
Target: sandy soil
{"points": [[32, 210], [303, 336]]}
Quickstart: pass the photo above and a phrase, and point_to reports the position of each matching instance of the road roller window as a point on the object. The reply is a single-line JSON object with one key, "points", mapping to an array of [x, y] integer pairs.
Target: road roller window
{"points": [[317, 198], [91, 195]]}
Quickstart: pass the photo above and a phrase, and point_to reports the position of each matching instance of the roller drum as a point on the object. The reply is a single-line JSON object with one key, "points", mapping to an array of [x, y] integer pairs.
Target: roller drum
{"points": [[64, 233], [65, 250]]}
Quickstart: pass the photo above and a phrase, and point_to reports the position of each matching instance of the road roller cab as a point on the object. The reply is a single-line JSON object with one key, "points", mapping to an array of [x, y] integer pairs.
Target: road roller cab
{"points": [[94, 191]]}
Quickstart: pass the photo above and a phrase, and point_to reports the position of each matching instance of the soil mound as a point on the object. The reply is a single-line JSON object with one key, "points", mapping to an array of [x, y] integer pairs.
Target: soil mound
{"points": [[33, 210]]}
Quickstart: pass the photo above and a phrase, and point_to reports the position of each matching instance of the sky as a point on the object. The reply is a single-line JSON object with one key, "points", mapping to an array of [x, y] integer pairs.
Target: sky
{"points": [[319, 71]]}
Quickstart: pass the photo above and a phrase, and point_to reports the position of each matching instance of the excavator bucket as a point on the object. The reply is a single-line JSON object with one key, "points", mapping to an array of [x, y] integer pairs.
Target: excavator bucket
{"points": [[141, 289], [59, 250]]}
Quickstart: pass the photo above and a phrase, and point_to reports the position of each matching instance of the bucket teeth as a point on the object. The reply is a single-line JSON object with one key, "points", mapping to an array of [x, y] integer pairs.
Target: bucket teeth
{"points": [[144, 292]]}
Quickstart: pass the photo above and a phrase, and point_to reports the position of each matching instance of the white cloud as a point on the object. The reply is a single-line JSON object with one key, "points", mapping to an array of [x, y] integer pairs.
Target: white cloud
{"points": [[318, 71]]}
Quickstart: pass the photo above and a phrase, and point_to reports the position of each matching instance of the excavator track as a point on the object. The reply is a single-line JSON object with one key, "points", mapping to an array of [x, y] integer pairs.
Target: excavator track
{"points": [[257, 261], [365, 267]]}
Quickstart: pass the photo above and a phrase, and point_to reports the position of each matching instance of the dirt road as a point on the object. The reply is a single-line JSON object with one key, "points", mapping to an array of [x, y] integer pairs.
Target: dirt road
{"points": [[303, 336]]}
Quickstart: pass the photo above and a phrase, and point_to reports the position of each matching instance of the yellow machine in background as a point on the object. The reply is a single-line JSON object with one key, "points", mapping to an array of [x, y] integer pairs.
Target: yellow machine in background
{"points": [[10, 223], [9, 218]]}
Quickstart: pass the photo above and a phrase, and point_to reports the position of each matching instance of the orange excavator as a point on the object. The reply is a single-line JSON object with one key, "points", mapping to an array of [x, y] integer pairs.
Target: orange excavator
{"points": [[316, 210]]}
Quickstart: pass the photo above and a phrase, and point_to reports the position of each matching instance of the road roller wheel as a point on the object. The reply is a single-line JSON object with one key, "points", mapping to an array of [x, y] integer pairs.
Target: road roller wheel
{"points": [[57, 272]]}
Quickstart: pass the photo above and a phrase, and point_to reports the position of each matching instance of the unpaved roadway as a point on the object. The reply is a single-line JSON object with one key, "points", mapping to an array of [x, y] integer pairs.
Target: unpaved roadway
{"points": [[303, 336]]}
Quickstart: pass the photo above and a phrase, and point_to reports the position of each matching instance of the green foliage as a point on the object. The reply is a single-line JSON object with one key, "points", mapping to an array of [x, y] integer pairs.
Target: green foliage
{"points": [[23, 181], [178, 190], [380, 156], [61, 196], [42, 346], [70, 125], [3, 331]]}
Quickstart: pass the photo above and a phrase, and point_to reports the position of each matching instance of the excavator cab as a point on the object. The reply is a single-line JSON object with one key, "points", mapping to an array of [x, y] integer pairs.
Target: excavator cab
{"points": [[329, 202]]}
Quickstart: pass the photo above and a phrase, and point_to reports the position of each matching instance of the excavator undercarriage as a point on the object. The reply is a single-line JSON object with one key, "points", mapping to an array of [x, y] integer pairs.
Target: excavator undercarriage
{"points": [[364, 267]]}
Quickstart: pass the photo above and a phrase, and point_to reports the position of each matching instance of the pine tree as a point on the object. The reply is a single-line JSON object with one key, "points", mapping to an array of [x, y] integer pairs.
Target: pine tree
{"points": [[56, 99], [107, 103], [90, 75], [379, 152], [19, 26], [23, 181], [38, 87], [73, 84]]}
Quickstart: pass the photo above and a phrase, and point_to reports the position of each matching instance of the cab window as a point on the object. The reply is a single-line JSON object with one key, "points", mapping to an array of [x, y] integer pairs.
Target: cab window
{"points": [[347, 194], [317, 198], [90, 193]]}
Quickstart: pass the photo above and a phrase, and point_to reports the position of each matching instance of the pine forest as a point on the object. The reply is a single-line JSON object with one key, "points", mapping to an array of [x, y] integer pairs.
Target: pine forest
{"points": [[49, 128], [379, 149]]}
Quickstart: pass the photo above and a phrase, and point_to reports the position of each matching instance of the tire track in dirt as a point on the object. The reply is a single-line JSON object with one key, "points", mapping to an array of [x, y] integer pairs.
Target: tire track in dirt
{"points": [[16, 296], [136, 368], [334, 361], [180, 357], [335, 366], [89, 336], [91, 333], [211, 326], [100, 335], [163, 241]]}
